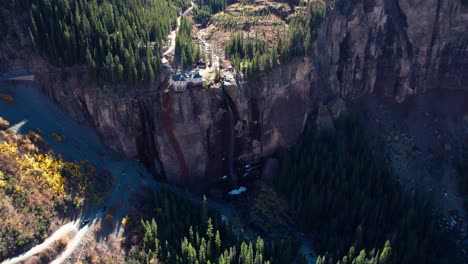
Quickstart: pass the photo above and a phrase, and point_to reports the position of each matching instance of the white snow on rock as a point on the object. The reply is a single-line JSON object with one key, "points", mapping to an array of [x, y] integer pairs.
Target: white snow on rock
{"points": [[238, 191]]}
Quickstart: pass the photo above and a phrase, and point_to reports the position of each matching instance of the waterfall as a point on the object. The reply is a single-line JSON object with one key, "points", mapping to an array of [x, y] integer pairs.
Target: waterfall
{"points": [[231, 139]]}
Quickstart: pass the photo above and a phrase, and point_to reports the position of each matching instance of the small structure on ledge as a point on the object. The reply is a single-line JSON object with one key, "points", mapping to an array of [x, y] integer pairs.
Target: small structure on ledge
{"points": [[180, 82], [194, 79], [200, 64]]}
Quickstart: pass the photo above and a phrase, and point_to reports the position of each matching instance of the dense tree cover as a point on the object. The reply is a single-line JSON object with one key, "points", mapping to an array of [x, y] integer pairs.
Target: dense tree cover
{"points": [[185, 231], [344, 197], [121, 40], [205, 8], [382, 256], [187, 52], [182, 4], [252, 55]]}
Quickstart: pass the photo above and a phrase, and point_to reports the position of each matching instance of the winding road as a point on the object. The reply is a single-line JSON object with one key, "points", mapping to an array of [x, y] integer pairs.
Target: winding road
{"points": [[62, 231], [172, 35], [29, 76], [31, 110]]}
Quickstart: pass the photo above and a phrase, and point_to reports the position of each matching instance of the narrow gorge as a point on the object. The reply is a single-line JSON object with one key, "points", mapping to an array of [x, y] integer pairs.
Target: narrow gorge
{"points": [[328, 106]]}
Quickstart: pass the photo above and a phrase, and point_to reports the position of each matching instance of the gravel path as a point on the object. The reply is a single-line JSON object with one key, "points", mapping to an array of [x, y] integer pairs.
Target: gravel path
{"points": [[32, 110]]}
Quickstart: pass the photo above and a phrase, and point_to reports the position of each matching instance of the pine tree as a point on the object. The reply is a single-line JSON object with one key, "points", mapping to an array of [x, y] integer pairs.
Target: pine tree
{"points": [[386, 253]]}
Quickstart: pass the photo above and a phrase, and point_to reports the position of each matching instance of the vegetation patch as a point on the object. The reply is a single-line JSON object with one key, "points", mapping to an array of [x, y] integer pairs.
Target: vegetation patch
{"points": [[4, 124], [205, 8], [187, 52], [120, 41], [176, 229], [381, 256], [57, 137], [251, 54], [269, 213], [36, 188], [7, 98], [344, 197]]}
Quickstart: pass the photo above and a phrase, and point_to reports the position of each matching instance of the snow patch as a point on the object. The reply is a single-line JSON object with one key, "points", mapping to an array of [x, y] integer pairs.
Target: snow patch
{"points": [[238, 191]]}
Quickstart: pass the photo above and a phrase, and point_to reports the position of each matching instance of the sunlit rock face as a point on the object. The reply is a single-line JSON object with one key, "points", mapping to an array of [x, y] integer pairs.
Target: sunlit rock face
{"points": [[181, 137]]}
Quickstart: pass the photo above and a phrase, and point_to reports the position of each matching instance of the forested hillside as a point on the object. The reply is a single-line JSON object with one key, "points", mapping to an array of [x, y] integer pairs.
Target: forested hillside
{"points": [[344, 197], [206, 8], [185, 50], [252, 55], [185, 231], [120, 40]]}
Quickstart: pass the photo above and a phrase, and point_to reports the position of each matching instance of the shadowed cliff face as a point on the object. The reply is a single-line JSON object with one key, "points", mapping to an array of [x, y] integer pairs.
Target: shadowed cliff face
{"points": [[181, 137], [394, 48]]}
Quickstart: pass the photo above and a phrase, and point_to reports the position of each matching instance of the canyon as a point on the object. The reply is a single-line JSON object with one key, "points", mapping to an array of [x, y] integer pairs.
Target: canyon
{"points": [[401, 65], [387, 48], [181, 136]]}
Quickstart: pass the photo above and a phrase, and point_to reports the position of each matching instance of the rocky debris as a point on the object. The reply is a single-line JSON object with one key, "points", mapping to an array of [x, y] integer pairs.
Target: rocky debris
{"points": [[229, 80]]}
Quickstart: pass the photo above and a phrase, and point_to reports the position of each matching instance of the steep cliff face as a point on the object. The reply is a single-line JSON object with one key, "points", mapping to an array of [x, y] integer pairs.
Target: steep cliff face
{"points": [[182, 137], [394, 48]]}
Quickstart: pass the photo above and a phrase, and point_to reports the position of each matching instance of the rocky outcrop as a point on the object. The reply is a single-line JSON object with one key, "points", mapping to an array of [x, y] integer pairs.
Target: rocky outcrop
{"points": [[182, 137], [272, 111], [394, 48]]}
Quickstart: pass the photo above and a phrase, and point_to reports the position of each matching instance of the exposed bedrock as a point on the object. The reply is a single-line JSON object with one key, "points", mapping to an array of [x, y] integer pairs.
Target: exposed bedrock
{"points": [[181, 137], [394, 48]]}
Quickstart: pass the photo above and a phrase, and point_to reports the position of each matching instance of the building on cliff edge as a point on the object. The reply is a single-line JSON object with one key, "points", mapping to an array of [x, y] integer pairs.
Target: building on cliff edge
{"points": [[179, 82]]}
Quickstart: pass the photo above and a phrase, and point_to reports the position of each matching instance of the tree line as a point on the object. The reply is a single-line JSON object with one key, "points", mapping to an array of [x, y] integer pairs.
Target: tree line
{"points": [[186, 52], [206, 8], [254, 55], [120, 40], [344, 196], [185, 231], [381, 256]]}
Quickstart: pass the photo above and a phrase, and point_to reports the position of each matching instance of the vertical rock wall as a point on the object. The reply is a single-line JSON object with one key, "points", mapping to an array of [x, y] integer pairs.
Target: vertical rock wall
{"points": [[394, 48]]}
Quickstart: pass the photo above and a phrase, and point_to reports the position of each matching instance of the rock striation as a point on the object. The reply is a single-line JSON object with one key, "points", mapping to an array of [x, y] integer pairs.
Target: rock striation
{"points": [[393, 48], [182, 137]]}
